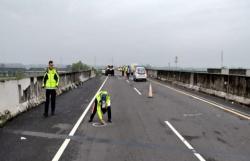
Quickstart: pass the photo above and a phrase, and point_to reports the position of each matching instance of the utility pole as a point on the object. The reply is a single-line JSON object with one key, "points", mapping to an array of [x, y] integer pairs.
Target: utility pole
{"points": [[176, 61], [95, 62], [61, 61], [222, 59]]}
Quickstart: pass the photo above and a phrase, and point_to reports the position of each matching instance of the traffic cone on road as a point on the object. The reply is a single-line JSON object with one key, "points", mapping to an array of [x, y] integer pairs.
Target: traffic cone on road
{"points": [[150, 92]]}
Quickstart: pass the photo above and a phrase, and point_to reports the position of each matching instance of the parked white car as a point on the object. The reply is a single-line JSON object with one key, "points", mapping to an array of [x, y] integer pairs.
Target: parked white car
{"points": [[140, 74]]}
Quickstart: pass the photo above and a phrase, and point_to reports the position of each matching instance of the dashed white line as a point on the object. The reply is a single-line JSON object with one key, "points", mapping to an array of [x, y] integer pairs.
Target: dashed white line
{"points": [[238, 113], [66, 141], [137, 91], [189, 146]]}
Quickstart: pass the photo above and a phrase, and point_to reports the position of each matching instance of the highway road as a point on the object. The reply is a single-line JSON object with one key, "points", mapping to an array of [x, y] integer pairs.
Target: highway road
{"points": [[175, 125]]}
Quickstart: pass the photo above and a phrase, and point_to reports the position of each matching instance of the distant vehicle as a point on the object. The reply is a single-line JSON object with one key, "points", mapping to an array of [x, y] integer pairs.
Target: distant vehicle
{"points": [[140, 74], [110, 70], [103, 71], [120, 69]]}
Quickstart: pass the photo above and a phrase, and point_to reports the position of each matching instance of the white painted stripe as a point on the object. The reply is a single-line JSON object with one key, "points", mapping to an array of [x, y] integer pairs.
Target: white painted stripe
{"points": [[238, 113], [127, 81], [66, 141], [137, 91], [184, 141], [199, 157], [61, 150], [179, 136]]}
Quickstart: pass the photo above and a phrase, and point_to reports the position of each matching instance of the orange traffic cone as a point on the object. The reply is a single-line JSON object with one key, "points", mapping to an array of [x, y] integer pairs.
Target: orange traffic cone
{"points": [[150, 92]]}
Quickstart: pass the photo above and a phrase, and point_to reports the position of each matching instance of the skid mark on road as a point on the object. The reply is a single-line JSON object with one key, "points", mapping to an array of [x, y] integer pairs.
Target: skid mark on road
{"points": [[190, 138], [175, 119], [192, 115], [217, 132]]}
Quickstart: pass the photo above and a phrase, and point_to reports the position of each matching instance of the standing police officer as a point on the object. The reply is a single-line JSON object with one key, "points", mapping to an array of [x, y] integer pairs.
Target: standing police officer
{"points": [[101, 106], [128, 71], [50, 83]]}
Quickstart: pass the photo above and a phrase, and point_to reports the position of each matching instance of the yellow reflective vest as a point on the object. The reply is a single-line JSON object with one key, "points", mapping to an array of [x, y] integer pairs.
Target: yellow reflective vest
{"points": [[98, 98], [51, 79]]}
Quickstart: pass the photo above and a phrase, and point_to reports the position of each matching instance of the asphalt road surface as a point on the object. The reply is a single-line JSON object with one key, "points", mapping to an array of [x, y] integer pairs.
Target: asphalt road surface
{"points": [[174, 125]]}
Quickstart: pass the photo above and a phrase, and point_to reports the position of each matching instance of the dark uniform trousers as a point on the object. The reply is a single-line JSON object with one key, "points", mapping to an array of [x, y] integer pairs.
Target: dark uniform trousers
{"points": [[108, 109], [50, 95]]}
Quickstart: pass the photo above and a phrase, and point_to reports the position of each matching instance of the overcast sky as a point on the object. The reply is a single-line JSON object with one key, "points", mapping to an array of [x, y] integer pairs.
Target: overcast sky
{"points": [[127, 31]]}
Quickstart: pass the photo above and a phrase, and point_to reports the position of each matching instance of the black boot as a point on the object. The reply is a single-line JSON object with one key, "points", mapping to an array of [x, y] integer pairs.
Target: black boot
{"points": [[45, 115]]}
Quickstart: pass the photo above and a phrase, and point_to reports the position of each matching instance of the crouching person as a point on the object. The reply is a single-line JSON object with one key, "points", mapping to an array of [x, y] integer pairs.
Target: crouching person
{"points": [[101, 106]]}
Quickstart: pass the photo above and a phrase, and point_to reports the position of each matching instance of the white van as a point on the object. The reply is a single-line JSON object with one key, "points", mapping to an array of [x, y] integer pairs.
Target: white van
{"points": [[140, 74]]}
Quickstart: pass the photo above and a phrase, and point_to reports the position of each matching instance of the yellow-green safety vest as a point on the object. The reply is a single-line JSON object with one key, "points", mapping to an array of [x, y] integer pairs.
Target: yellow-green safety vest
{"points": [[51, 79], [99, 108]]}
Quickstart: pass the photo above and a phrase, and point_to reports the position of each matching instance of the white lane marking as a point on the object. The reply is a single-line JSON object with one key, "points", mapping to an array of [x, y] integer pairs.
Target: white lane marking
{"points": [[189, 146], [238, 113], [127, 81], [137, 91], [66, 141], [199, 157]]}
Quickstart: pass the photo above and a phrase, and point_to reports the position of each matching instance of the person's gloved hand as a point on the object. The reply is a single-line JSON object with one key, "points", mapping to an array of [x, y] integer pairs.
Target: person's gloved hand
{"points": [[103, 122]]}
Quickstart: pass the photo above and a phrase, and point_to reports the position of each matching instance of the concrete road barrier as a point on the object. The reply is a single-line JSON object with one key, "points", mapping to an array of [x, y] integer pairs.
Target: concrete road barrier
{"points": [[17, 96], [231, 87]]}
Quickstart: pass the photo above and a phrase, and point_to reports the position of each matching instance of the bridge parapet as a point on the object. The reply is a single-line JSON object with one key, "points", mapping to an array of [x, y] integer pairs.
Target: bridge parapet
{"points": [[232, 87], [17, 96]]}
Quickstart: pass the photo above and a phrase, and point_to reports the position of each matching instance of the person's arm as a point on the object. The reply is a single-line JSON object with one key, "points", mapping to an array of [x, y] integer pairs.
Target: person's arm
{"points": [[45, 78], [57, 78], [99, 112], [108, 101], [93, 106]]}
